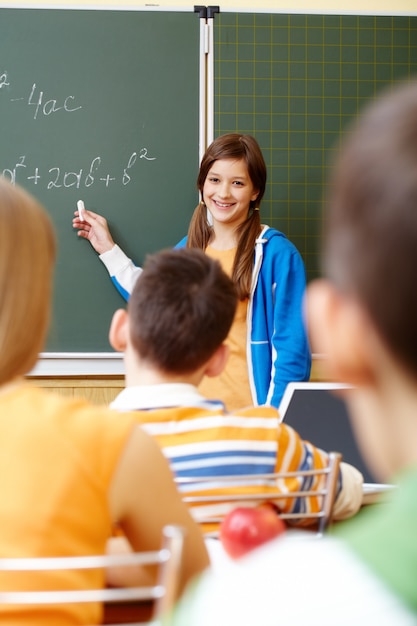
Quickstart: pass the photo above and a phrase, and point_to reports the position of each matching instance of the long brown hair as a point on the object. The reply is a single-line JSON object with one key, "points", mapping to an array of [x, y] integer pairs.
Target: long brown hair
{"points": [[27, 254], [233, 146]]}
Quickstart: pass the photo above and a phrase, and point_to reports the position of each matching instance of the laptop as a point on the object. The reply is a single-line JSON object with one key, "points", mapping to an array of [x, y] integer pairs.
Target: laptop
{"points": [[320, 416]]}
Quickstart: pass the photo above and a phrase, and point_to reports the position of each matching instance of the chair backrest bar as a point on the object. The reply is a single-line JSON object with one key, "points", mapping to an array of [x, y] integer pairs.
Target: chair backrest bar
{"points": [[168, 559], [219, 491]]}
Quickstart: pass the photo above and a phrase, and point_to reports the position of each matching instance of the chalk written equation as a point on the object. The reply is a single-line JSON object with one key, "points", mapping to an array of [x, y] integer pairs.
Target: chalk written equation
{"points": [[36, 99], [55, 177]]}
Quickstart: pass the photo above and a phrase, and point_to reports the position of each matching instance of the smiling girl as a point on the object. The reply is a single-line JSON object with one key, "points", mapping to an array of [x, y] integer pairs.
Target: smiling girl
{"points": [[268, 341]]}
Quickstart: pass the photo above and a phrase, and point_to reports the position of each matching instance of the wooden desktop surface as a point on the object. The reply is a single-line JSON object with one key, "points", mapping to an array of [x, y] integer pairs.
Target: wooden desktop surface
{"points": [[127, 612]]}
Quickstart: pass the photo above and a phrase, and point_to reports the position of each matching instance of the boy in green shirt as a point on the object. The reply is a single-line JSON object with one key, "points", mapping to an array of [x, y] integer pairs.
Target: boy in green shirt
{"points": [[363, 316]]}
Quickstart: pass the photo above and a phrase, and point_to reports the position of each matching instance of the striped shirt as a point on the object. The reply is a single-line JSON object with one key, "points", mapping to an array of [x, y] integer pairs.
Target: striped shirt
{"points": [[201, 440]]}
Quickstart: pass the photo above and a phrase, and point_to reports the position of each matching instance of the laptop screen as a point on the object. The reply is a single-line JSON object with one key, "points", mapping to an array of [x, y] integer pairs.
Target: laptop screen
{"points": [[320, 416]]}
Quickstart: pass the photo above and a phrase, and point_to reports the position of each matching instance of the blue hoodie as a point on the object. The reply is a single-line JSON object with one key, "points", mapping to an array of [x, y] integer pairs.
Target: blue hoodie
{"points": [[277, 346]]}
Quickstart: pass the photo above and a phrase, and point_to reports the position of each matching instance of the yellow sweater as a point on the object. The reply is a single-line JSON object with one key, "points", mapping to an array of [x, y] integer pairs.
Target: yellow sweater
{"points": [[232, 385], [57, 458]]}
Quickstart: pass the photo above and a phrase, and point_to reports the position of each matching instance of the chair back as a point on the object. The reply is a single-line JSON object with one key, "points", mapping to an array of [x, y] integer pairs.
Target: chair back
{"points": [[303, 498], [163, 594]]}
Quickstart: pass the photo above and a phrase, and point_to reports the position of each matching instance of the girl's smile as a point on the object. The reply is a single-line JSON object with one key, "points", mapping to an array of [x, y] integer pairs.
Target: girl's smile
{"points": [[228, 191]]}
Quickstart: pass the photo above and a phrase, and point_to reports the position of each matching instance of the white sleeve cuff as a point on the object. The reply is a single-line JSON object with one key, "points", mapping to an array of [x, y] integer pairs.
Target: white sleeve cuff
{"points": [[115, 260], [350, 497]]}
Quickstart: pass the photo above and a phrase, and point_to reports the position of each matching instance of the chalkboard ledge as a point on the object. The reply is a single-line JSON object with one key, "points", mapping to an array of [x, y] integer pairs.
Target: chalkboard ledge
{"points": [[55, 364], [79, 364]]}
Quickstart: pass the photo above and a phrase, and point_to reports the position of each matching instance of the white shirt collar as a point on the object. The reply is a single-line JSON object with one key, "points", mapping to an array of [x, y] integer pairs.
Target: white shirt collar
{"points": [[143, 397]]}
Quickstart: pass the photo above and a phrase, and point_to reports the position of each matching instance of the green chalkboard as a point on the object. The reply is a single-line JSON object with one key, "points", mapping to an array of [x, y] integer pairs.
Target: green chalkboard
{"points": [[101, 105], [294, 82]]}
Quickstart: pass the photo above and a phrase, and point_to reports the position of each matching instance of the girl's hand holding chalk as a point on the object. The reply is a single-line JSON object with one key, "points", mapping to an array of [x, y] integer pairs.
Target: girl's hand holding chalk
{"points": [[81, 209], [93, 227]]}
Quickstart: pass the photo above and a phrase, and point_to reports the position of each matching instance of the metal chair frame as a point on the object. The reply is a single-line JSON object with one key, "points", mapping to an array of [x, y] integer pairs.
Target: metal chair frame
{"points": [[323, 517], [163, 593]]}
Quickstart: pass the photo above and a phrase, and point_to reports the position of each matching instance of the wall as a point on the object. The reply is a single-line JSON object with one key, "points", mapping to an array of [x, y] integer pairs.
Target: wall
{"points": [[359, 7], [103, 389]]}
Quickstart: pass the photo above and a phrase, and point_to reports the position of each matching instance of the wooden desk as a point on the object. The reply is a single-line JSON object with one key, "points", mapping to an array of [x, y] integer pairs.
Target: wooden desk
{"points": [[127, 612]]}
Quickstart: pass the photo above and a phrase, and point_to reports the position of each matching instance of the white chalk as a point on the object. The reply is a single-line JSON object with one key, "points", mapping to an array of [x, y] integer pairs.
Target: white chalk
{"points": [[81, 209]]}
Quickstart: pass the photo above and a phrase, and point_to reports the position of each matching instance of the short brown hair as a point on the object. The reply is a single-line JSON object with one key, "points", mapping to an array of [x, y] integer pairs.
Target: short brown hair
{"points": [[371, 241], [181, 309], [27, 254]]}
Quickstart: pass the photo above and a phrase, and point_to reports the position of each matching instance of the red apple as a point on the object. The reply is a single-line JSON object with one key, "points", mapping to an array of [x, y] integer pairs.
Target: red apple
{"points": [[245, 528]]}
